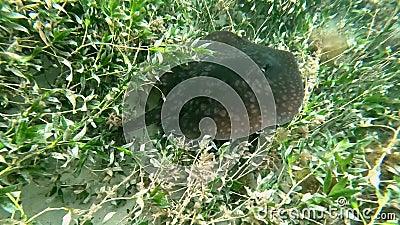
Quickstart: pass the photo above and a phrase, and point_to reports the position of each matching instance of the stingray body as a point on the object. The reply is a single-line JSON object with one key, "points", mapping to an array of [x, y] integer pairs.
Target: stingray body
{"points": [[278, 67]]}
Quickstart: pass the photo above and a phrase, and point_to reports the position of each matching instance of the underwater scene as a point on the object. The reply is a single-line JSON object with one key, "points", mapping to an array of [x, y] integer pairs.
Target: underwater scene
{"points": [[199, 112]]}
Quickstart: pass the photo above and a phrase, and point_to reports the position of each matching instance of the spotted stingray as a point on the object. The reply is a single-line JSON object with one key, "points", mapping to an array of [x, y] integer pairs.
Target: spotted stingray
{"points": [[279, 67]]}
